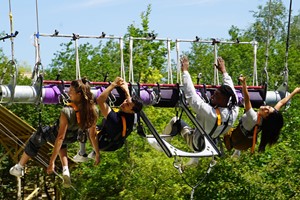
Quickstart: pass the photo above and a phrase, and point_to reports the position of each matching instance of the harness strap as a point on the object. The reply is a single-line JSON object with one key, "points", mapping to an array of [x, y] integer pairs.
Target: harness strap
{"points": [[255, 133], [218, 121], [124, 126], [76, 111], [218, 117]]}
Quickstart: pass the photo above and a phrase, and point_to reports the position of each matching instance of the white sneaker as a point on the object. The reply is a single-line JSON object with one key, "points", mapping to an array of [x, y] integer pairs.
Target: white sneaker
{"points": [[92, 155], [66, 179], [236, 154], [153, 142], [80, 158], [17, 171], [192, 162]]}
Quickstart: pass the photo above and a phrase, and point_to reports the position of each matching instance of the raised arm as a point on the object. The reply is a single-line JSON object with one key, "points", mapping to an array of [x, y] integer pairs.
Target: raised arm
{"points": [[227, 80], [124, 87], [101, 100], [194, 100], [247, 101], [283, 101]]}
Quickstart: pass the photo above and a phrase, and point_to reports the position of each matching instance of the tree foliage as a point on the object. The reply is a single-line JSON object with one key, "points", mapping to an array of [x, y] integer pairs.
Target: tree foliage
{"points": [[137, 171]]}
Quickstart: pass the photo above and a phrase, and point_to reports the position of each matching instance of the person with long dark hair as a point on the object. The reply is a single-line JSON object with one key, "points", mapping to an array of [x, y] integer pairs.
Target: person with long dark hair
{"points": [[116, 126], [80, 116], [268, 120]]}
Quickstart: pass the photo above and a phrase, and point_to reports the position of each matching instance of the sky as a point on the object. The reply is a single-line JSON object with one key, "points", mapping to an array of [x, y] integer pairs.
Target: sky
{"points": [[174, 19]]}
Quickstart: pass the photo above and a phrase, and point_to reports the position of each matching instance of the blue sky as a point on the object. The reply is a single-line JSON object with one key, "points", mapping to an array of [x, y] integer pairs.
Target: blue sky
{"points": [[174, 19]]}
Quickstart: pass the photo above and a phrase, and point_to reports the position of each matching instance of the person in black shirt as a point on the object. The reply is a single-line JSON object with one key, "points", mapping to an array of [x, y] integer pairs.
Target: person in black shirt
{"points": [[116, 126]]}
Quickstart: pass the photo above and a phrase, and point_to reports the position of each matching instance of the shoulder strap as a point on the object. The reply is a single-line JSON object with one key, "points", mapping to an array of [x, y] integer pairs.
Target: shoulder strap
{"points": [[124, 126], [255, 133], [76, 111], [218, 121]]}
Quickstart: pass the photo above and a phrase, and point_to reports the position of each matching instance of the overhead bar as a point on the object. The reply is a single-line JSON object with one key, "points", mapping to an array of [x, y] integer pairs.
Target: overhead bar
{"points": [[148, 84], [56, 34]]}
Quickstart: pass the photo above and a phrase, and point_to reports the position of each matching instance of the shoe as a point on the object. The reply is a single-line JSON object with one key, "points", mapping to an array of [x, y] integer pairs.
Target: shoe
{"points": [[66, 179], [92, 155], [80, 158], [192, 162], [236, 154], [153, 142], [168, 128], [17, 171]]}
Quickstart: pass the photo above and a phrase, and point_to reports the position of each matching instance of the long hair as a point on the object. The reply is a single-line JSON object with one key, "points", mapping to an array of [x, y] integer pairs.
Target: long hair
{"points": [[138, 103], [271, 127], [87, 108]]}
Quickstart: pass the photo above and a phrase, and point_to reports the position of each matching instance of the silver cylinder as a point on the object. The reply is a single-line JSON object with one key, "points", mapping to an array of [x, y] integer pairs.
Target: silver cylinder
{"points": [[273, 97], [23, 94]]}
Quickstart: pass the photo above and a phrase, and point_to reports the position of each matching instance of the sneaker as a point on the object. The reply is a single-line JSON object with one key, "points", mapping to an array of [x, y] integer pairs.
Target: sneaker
{"points": [[80, 158], [153, 142], [92, 155], [169, 128], [66, 179], [17, 171], [192, 162], [236, 154]]}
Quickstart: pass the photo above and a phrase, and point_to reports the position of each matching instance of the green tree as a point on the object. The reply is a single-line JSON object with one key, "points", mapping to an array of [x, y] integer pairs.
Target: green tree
{"points": [[137, 171], [149, 56]]}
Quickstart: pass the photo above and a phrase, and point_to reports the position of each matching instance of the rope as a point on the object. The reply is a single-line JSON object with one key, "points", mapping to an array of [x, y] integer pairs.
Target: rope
{"points": [[122, 59], [37, 16], [254, 82], [11, 31], [179, 78], [75, 38], [216, 74], [130, 76], [170, 76], [267, 45], [285, 71], [38, 63]]}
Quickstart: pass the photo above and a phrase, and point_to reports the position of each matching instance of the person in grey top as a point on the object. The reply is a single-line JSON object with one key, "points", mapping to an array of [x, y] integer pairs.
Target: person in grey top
{"points": [[268, 120], [81, 115], [223, 101]]}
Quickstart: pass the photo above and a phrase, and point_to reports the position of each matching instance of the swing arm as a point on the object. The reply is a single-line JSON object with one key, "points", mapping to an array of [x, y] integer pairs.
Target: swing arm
{"points": [[155, 134], [184, 106]]}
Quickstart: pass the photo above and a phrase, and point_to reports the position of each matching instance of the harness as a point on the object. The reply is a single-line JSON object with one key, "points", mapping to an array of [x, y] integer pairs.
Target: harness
{"points": [[117, 141], [81, 134], [241, 139], [219, 122], [255, 133], [76, 111]]}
